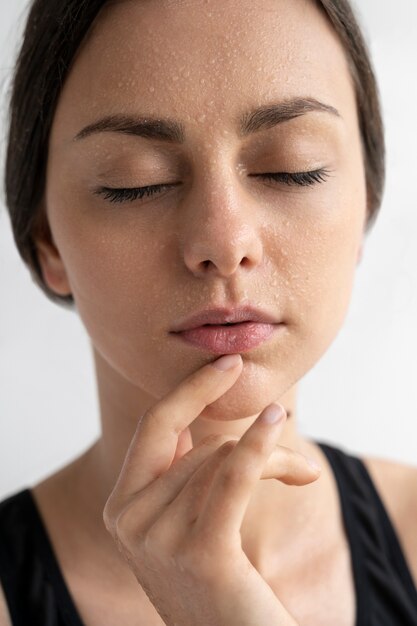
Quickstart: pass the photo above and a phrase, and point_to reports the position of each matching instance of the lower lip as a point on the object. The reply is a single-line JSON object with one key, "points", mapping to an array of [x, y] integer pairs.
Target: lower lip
{"points": [[229, 339]]}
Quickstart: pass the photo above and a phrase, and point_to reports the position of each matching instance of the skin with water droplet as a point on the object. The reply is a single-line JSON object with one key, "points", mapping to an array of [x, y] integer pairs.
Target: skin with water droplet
{"points": [[223, 234]]}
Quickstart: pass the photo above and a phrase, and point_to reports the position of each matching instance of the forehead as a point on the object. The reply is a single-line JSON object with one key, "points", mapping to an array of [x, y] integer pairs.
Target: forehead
{"points": [[203, 61]]}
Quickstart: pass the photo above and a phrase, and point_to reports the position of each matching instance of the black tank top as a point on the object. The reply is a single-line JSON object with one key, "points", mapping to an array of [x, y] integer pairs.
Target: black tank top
{"points": [[36, 593]]}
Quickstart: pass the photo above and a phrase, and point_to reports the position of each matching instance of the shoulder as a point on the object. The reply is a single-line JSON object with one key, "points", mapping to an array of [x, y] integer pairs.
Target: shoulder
{"points": [[396, 484], [4, 613]]}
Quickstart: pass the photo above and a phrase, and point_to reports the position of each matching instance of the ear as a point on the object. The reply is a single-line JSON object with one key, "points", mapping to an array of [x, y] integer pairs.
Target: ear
{"points": [[53, 269], [52, 266]]}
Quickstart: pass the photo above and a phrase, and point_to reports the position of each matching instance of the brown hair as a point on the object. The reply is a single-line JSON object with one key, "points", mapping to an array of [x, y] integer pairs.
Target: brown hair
{"points": [[53, 34]]}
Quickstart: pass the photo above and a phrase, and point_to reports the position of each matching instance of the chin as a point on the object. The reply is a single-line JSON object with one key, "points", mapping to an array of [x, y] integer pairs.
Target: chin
{"points": [[246, 398]]}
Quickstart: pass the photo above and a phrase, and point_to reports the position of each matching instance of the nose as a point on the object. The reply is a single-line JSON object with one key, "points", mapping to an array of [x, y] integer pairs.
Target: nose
{"points": [[220, 227]]}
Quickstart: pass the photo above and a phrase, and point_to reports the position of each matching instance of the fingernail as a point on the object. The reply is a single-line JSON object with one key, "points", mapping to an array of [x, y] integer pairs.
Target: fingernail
{"points": [[273, 413], [313, 463], [226, 362]]}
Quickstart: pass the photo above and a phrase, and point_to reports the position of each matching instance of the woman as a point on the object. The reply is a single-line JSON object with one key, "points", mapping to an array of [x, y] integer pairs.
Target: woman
{"points": [[167, 173]]}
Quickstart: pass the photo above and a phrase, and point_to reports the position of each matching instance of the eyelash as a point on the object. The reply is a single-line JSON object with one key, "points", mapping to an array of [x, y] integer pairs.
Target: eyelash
{"points": [[302, 179]]}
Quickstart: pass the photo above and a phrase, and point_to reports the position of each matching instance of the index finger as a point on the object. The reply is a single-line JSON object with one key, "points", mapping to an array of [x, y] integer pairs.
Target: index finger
{"points": [[154, 443]]}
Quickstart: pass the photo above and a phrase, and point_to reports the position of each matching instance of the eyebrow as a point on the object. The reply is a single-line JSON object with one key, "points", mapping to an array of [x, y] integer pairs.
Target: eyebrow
{"points": [[171, 131]]}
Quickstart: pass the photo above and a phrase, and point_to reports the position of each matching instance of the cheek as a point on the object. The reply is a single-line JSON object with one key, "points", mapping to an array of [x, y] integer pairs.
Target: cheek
{"points": [[118, 282], [323, 262]]}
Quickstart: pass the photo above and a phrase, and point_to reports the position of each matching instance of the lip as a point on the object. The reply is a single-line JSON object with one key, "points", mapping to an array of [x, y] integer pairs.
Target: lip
{"points": [[251, 327], [223, 315]]}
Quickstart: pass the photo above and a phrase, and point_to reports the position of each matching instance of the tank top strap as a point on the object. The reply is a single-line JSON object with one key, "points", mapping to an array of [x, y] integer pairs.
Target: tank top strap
{"points": [[383, 582]]}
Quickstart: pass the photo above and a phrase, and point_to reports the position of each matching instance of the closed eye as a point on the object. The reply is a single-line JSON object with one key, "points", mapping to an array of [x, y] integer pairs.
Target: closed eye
{"points": [[130, 194], [302, 179], [298, 178]]}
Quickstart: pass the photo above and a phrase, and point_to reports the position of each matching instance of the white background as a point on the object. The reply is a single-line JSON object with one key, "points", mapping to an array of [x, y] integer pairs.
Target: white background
{"points": [[361, 396]]}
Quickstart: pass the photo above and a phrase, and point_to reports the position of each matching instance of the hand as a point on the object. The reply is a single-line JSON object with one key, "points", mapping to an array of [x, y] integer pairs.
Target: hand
{"points": [[178, 524]]}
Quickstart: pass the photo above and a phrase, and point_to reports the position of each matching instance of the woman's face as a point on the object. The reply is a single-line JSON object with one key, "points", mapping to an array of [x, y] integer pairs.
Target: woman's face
{"points": [[218, 234]]}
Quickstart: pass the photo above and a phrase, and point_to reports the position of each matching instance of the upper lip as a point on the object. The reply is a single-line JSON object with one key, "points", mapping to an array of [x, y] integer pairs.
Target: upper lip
{"points": [[222, 315]]}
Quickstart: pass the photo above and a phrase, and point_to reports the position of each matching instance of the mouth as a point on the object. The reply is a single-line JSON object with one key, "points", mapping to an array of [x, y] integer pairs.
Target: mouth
{"points": [[229, 337], [228, 330], [223, 316], [225, 324]]}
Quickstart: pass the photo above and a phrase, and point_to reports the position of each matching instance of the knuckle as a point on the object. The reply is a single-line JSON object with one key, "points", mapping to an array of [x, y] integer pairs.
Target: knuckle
{"points": [[232, 477], [156, 546], [151, 543], [259, 447], [110, 513], [127, 525], [122, 527], [108, 519], [227, 447]]}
